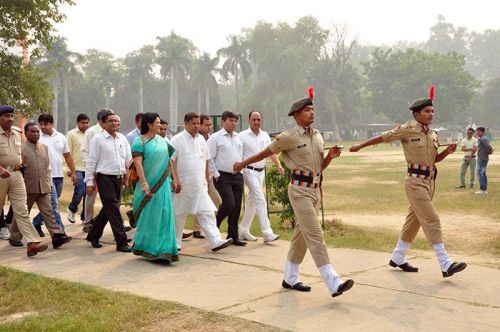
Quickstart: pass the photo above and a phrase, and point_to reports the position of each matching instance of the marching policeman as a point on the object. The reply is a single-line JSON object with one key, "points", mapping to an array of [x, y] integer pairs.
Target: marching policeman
{"points": [[420, 146], [302, 148], [12, 182]]}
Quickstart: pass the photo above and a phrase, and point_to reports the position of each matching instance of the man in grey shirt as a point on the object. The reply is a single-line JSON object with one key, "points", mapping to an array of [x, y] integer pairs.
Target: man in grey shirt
{"points": [[484, 149]]}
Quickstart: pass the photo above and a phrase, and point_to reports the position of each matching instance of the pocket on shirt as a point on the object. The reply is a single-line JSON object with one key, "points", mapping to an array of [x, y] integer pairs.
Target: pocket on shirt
{"points": [[4, 150]]}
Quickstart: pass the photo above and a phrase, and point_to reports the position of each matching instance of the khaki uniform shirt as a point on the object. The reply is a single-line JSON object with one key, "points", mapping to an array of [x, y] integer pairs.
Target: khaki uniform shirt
{"points": [[10, 147], [420, 146], [300, 150], [37, 168]]}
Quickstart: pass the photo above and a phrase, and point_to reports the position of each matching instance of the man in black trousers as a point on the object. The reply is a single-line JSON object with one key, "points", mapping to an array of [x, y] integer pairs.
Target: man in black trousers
{"points": [[109, 154], [225, 149]]}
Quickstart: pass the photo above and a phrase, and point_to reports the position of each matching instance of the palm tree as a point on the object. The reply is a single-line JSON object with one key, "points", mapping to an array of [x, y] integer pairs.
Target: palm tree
{"points": [[63, 61], [204, 79], [139, 65], [175, 57], [236, 63]]}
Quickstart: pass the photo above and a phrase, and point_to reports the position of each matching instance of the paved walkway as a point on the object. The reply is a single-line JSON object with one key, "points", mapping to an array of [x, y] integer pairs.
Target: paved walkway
{"points": [[246, 282]]}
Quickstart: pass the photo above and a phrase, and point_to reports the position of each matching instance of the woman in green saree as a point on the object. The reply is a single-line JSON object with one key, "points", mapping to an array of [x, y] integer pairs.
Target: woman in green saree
{"points": [[153, 210]]}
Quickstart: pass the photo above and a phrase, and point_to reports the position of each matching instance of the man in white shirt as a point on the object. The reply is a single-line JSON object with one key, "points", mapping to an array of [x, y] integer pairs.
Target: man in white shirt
{"points": [[254, 141], [136, 132], [106, 167], [76, 137], [58, 148], [469, 146], [225, 149], [190, 158], [89, 134]]}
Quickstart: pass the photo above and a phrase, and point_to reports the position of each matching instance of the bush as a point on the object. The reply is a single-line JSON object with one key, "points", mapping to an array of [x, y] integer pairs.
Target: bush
{"points": [[277, 187]]}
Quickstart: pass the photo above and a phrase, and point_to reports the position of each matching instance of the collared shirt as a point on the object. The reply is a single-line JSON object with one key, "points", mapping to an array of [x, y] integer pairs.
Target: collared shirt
{"points": [[132, 135], [108, 155], [484, 149], [420, 145], [76, 139], [469, 144], [190, 156], [36, 163], [301, 150], [10, 147], [225, 150], [89, 134], [58, 145], [253, 144]]}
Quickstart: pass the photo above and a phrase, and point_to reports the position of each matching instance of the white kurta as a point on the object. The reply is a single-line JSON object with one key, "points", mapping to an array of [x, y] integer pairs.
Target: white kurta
{"points": [[190, 156]]}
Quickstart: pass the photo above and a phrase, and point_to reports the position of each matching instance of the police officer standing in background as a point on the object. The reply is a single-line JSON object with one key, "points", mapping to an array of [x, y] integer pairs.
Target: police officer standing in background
{"points": [[12, 182], [420, 146], [302, 147]]}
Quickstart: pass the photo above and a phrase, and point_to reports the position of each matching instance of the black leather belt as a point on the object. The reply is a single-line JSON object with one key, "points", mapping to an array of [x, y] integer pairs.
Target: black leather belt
{"points": [[112, 176], [255, 168], [227, 173]]}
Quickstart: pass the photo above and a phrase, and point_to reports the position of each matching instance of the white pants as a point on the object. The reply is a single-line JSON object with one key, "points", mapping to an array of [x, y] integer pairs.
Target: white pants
{"points": [[208, 225], [255, 203]]}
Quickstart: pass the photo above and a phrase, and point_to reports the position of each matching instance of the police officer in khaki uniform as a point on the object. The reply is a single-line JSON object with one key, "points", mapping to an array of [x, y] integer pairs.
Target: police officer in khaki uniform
{"points": [[12, 182], [420, 146], [38, 181], [302, 148]]}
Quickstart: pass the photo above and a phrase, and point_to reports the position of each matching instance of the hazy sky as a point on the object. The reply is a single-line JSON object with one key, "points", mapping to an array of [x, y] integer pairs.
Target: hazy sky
{"points": [[121, 26]]}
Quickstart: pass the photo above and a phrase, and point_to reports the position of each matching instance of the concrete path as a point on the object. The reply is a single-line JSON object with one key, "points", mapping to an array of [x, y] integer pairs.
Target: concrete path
{"points": [[246, 282]]}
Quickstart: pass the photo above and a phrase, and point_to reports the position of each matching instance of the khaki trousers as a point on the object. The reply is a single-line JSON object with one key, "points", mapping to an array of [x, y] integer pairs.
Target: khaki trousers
{"points": [[45, 206], [214, 195], [307, 233], [421, 212], [15, 188]]}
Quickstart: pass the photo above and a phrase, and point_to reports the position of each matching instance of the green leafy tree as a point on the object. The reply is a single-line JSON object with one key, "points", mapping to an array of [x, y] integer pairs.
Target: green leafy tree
{"points": [[29, 24], [175, 57], [489, 104], [236, 64]]}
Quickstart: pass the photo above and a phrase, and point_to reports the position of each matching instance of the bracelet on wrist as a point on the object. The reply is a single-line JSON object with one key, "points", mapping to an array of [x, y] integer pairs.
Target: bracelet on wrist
{"points": [[144, 184]]}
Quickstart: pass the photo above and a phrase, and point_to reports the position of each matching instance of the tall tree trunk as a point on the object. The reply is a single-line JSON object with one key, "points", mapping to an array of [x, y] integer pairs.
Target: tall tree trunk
{"points": [[236, 83], [171, 100], [55, 90], [335, 107], [176, 104], [199, 101], [66, 106], [207, 100], [141, 96]]}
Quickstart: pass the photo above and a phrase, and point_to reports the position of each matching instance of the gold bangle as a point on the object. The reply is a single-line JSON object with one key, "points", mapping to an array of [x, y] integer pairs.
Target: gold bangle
{"points": [[144, 184]]}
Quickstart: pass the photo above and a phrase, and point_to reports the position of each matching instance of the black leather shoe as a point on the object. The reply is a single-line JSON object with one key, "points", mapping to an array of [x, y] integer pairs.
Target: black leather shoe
{"points": [[224, 245], [343, 287], [124, 248], [198, 235], [15, 243], [59, 239], [405, 267], [239, 243], [40, 231], [454, 268], [95, 243], [298, 286], [186, 235]]}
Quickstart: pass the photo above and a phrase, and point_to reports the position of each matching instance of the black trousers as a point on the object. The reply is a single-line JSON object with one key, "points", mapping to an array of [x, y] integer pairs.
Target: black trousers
{"points": [[110, 187], [230, 188]]}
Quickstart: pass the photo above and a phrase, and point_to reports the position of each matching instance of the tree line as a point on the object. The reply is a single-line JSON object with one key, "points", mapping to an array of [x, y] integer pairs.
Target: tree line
{"points": [[267, 66]]}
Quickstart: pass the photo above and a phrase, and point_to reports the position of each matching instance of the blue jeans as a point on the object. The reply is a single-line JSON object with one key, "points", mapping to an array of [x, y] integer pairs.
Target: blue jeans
{"points": [[78, 194], [481, 174], [57, 187]]}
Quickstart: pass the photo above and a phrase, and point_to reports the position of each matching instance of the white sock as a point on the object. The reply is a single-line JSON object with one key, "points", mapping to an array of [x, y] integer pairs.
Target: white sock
{"points": [[291, 273], [442, 256], [330, 277], [399, 253]]}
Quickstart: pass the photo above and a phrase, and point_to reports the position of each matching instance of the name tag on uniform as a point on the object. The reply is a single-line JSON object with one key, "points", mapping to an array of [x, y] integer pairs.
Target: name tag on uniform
{"points": [[415, 139], [302, 146]]}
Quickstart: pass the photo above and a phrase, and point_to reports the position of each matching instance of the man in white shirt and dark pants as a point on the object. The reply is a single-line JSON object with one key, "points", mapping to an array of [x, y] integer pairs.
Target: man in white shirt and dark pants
{"points": [[225, 149], [254, 141], [108, 156], [190, 157]]}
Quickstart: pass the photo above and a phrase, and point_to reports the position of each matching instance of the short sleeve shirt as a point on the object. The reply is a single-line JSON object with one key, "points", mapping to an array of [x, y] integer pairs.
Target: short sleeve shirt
{"points": [[469, 144], [300, 150], [10, 148], [58, 145], [420, 146]]}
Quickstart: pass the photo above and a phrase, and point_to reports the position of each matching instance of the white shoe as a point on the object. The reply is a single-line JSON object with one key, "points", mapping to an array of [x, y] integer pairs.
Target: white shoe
{"points": [[71, 216], [247, 237], [481, 192], [4, 233], [271, 238]]}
